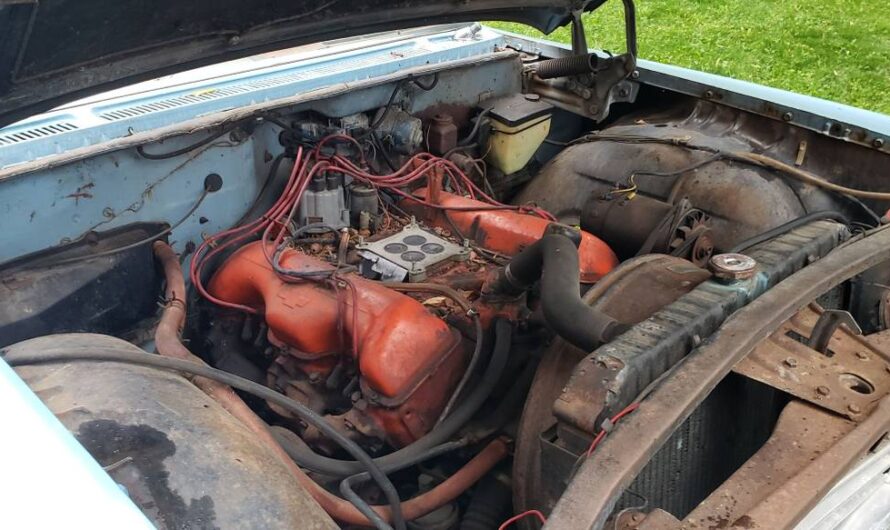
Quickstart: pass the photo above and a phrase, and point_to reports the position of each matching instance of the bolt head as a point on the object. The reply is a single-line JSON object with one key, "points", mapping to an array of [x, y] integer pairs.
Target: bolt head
{"points": [[732, 266], [787, 116], [878, 142], [823, 390], [854, 408], [790, 362], [862, 356]]}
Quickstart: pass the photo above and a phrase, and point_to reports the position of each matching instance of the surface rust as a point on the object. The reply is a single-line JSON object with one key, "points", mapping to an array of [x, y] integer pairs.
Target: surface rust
{"points": [[849, 379], [793, 499], [803, 432], [631, 293], [596, 488]]}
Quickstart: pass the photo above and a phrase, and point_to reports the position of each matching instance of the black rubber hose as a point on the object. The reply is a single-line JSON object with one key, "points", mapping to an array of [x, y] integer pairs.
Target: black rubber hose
{"points": [[259, 206], [830, 215], [468, 374], [554, 260], [468, 139], [362, 506], [305, 457], [364, 461], [490, 504], [479, 429], [172, 154], [347, 484], [508, 405]]}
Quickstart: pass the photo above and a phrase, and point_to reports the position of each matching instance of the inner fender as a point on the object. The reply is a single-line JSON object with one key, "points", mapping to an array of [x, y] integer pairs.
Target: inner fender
{"points": [[183, 459], [587, 171]]}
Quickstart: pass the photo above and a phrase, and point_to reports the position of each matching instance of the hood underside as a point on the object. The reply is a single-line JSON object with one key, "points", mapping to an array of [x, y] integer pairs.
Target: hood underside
{"points": [[54, 51]]}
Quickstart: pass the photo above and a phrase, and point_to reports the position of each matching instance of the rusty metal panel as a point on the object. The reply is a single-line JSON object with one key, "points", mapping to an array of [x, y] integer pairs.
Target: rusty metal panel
{"points": [[599, 483], [849, 379], [802, 433]]}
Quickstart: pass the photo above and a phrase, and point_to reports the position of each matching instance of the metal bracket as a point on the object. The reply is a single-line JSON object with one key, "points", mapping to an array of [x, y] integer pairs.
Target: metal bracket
{"points": [[848, 382], [828, 322], [579, 37], [591, 95]]}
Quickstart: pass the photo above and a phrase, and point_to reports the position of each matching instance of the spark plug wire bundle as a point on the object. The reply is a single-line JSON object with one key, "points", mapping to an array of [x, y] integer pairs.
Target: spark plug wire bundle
{"points": [[275, 223]]}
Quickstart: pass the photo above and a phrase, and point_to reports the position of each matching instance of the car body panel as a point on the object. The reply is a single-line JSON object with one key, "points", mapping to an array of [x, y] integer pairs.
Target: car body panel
{"points": [[78, 175], [49, 479], [55, 51], [62, 135], [833, 119]]}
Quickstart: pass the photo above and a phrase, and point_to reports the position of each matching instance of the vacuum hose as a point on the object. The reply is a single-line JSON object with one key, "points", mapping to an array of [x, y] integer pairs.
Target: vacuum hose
{"points": [[170, 345], [465, 410], [554, 260]]}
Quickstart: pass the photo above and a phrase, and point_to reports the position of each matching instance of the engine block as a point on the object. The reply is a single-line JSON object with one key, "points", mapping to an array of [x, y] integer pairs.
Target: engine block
{"points": [[373, 360]]}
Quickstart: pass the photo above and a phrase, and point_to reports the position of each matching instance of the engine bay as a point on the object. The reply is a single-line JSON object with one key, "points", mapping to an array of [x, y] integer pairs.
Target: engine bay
{"points": [[452, 297]]}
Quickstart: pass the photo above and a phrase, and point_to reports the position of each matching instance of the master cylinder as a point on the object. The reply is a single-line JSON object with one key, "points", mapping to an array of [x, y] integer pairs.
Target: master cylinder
{"points": [[519, 124]]}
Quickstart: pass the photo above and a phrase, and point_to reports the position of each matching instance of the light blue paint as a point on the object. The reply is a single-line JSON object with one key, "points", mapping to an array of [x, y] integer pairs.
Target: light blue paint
{"points": [[51, 207], [104, 121], [830, 110], [854, 124], [49, 479], [750, 289]]}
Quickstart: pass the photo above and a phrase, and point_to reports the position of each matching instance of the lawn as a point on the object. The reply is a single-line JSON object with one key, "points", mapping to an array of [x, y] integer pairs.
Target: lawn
{"points": [[833, 49]]}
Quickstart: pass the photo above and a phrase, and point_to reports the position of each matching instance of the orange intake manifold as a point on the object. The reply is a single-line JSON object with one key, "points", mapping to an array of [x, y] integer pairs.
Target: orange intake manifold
{"points": [[504, 231], [408, 359]]}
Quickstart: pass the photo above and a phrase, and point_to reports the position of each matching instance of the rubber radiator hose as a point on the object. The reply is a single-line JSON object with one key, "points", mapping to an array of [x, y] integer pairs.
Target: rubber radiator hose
{"points": [[553, 260]]}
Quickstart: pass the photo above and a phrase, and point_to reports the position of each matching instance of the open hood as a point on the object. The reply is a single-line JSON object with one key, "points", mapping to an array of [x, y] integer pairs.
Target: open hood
{"points": [[54, 51]]}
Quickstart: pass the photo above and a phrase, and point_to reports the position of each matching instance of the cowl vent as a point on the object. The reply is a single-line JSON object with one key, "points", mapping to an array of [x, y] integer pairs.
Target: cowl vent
{"points": [[34, 133]]}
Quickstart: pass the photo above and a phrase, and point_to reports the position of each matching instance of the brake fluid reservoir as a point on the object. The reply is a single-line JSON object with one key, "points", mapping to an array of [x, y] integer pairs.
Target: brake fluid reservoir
{"points": [[518, 126]]}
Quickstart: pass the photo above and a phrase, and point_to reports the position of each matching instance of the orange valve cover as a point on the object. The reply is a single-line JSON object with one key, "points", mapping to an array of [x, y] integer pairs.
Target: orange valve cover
{"points": [[508, 232]]}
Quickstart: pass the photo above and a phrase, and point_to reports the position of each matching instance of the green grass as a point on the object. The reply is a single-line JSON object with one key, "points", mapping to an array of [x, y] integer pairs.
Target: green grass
{"points": [[833, 49]]}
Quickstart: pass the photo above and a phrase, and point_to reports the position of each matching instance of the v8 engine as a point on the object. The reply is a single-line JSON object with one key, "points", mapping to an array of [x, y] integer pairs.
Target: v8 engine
{"points": [[454, 299], [348, 334]]}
